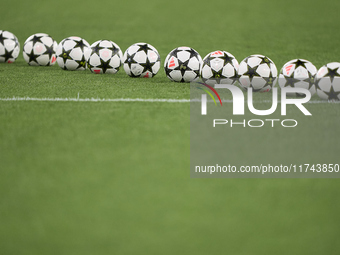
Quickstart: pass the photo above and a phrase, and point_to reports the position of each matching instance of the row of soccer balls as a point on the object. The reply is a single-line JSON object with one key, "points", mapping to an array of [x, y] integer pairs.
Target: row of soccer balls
{"points": [[182, 64]]}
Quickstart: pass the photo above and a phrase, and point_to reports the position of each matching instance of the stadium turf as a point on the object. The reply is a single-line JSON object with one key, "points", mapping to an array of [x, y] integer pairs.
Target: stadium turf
{"points": [[113, 177]]}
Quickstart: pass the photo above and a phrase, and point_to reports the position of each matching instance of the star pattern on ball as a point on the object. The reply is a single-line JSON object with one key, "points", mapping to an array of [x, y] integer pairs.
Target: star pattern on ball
{"points": [[2, 38], [129, 61], [290, 81], [81, 63], [193, 53], [217, 75], [251, 72], [97, 48], [65, 55], [264, 60], [175, 52], [80, 44], [184, 66], [300, 62], [36, 39], [332, 73], [145, 48], [227, 59], [114, 49], [49, 51], [310, 81], [104, 65], [269, 80], [332, 95], [32, 57], [7, 55], [147, 66]]}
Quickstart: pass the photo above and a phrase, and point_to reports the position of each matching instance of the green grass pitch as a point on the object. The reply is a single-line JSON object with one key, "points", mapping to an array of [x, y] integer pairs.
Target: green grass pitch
{"points": [[113, 177]]}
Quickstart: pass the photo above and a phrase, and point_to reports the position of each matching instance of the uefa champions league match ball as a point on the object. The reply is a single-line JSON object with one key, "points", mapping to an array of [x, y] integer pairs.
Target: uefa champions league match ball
{"points": [[73, 53], [327, 81], [9, 47], [39, 50], [183, 64], [105, 57], [219, 67], [298, 73], [141, 60], [258, 72]]}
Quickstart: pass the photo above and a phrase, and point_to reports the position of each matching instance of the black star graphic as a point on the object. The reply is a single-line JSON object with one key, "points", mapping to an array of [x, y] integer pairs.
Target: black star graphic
{"points": [[269, 80], [332, 95], [32, 57], [299, 62], [227, 59], [129, 61], [104, 65], [310, 81], [217, 76], [264, 60], [207, 60], [49, 51], [332, 73], [290, 81], [36, 39], [97, 48], [183, 67], [193, 53], [65, 55], [175, 52], [7, 55], [2, 38], [251, 72], [147, 66], [80, 44], [145, 48], [81, 63], [113, 49]]}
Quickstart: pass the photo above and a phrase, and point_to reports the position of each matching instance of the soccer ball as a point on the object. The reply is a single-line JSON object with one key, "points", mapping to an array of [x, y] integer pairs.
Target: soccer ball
{"points": [[327, 81], [298, 73], [9, 47], [183, 64], [105, 57], [219, 67], [141, 60], [39, 50], [258, 72], [73, 53]]}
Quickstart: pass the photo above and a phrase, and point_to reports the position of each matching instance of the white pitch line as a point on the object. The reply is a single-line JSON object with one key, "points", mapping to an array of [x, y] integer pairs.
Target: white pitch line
{"points": [[150, 100], [57, 99]]}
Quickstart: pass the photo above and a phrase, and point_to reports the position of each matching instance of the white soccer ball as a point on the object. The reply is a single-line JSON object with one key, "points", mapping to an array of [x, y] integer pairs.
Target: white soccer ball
{"points": [[141, 60], [298, 73], [9, 47], [39, 50], [73, 53], [183, 64], [105, 57], [219, 67], [258, 72], [327, 81]]}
